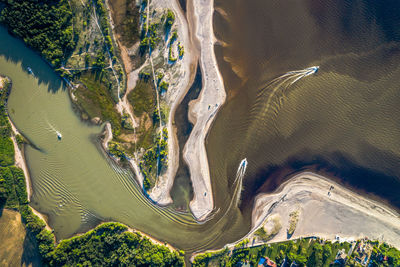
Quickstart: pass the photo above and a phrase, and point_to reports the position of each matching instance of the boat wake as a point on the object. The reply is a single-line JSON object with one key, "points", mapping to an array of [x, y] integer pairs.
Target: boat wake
{"points": [[239, 181], [59, 135], [275, 90], [30, 71], [270, 99]]}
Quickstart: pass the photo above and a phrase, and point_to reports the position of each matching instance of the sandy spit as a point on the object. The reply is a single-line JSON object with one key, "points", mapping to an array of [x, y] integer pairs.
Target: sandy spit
{"points": [[203, 110]]}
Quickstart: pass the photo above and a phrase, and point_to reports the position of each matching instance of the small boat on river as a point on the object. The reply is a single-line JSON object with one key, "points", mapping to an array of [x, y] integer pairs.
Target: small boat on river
{"points": [[30, 71]]}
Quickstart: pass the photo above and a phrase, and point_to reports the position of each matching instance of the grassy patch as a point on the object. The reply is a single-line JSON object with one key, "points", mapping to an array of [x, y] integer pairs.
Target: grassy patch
{"points": [[94, 99], [269, 229], [23, 250], [125, 16], [142, 98], [293, 219]]}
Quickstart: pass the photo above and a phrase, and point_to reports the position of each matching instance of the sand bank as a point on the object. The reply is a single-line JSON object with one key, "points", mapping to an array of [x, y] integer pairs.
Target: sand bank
{"points": [[326, 209], [203, 110], [338, 215], [20, 160]]}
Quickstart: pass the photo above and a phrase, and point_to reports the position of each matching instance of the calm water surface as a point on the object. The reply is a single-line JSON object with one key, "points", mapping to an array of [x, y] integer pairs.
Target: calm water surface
{"points": [[344, 120]]}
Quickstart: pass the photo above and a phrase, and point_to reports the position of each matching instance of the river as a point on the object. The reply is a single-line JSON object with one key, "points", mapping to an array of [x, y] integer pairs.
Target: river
{"points": [[342, 120]]}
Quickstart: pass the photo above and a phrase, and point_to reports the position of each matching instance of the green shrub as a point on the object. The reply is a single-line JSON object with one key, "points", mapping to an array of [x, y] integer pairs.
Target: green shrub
{"points": [[170, 19]]}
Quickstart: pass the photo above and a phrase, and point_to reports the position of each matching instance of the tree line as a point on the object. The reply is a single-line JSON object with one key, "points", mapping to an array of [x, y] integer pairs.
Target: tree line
{"points": [[45, 25]]}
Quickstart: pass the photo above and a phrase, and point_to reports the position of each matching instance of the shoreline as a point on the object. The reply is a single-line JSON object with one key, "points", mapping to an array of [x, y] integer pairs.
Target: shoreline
{"points": [[341, 215], [20, 162], [202, 111], [325, 202], [19, 158]]}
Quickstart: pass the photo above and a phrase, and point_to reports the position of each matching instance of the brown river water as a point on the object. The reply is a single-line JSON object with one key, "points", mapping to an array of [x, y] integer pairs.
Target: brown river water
{"points": [[343, 120]]}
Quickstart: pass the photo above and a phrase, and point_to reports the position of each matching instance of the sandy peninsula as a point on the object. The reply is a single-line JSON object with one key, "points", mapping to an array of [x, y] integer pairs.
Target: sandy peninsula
{"points": [[197, 36], [326, 209], [160, 193], [202, 111]]}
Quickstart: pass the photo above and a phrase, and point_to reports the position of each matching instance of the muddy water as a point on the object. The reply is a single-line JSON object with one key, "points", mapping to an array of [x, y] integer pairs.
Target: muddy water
{"points": [[344, 119]]}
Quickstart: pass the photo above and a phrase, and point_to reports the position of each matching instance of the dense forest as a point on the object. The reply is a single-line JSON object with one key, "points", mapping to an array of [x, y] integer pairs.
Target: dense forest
{"points": [[111, 244], [44, 25]]}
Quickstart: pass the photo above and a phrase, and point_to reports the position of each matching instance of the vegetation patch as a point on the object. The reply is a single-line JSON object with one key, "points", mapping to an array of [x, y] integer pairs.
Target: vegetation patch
{"points": [[303, 252], [293, 219], [94, 99], [111, 244], [270, 228], [6, 145], [142, 98]]}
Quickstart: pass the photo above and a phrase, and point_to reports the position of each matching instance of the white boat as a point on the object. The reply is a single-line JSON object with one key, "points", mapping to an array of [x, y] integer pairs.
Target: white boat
{"points": [[315, 69], [59, 136], [30, 71], [243, 164]]}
